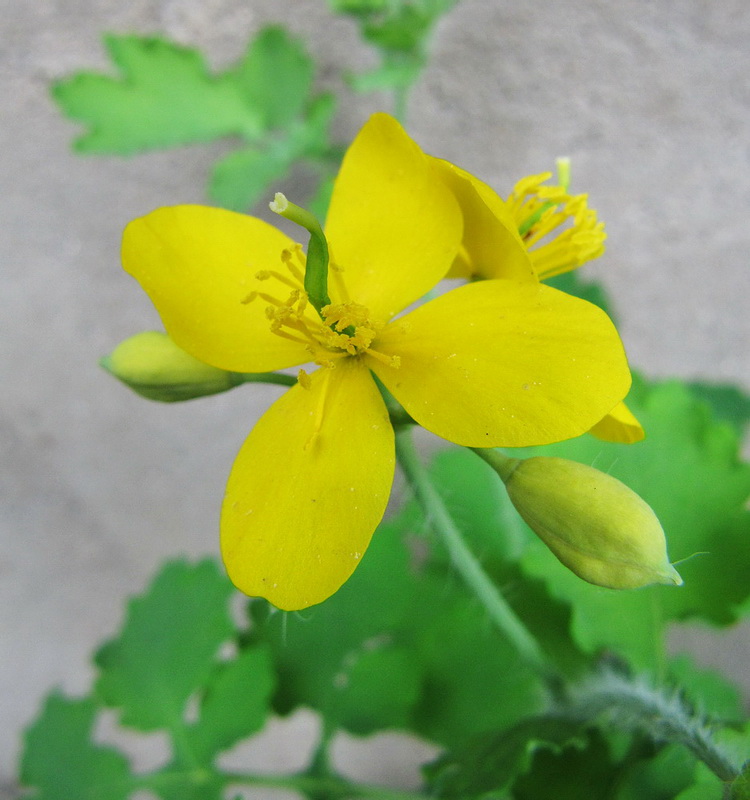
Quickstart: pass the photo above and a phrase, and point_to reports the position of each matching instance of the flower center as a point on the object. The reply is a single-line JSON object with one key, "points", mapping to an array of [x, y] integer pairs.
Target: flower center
{"points": [[340, 330]]}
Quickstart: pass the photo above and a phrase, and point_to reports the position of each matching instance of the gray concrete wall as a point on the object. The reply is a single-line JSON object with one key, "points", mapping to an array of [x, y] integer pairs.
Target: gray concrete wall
{"points": [[650, 99]]}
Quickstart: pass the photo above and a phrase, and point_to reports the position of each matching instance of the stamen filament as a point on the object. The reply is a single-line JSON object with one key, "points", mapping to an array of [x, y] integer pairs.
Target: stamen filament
{"points": [[272, 273], [285, 335], [391, 361], [338, 279]]}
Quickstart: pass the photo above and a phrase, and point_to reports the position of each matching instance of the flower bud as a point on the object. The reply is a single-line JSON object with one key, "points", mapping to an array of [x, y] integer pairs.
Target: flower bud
{"points": [[153, 366], [595, 525]]}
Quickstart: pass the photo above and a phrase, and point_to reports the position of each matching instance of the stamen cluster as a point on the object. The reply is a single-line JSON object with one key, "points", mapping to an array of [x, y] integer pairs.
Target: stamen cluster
{"points": [[342, 329], [541, 212]]}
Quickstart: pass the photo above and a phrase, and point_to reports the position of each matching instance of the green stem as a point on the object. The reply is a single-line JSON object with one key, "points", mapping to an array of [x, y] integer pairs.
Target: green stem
{"points": [[464, 561], [638, 707], [263, 377], [502, 464]]}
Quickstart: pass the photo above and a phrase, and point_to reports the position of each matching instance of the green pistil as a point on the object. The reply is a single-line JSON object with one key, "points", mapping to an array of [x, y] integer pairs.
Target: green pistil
{"points": [[532, 219], [316, 269], [563, 173]]}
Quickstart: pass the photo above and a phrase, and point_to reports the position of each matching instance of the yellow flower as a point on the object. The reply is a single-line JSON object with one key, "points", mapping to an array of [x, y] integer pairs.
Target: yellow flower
{"points": [[505, 362], [541, 231]]}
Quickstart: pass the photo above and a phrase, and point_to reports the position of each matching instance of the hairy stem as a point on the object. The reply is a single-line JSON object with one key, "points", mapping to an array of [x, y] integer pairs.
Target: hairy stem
{"points": [[636, 706], [464, 561]]}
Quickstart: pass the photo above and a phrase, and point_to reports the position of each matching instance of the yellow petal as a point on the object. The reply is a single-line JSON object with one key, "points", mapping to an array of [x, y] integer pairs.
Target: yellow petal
{"points": [[491, 246], [308, 489], [198, 266], [620, 425], [392, 226], [505, 363]]}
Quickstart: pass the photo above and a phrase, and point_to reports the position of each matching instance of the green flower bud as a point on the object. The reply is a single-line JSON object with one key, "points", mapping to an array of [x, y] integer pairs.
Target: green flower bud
{"points": [[153, 366], [595, 525]]}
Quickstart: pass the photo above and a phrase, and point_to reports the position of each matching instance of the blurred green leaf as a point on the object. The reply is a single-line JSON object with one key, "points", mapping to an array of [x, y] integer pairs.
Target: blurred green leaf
{"points": [[492, 762], [705, 786], [420, 622], [400, 30], [741, 787], [242, 178], [570, 773], [729, 403], [364, 702], [60, 762], [236, 704], [167, 646], [688, 470], [707, 691], [660, 777], [574, 283], [276, 77], [735, 743], [165, 96]]}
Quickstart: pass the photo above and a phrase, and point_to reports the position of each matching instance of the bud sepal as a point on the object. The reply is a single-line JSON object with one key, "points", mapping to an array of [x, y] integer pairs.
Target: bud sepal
{"points": [[593, 523], [153, 366]]}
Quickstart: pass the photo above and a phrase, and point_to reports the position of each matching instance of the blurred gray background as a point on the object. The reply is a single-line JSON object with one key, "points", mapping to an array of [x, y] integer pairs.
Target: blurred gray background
{"points": [[649, 98]]}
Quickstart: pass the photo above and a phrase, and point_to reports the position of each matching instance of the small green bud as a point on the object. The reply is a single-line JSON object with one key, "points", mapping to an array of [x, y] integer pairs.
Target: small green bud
{"points": [[153, 366], [595, 525]]}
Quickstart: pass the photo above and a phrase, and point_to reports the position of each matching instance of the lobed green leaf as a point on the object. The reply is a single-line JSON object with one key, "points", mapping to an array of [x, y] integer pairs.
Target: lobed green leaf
{"points": [[163, 97], [235, 705], [167, 647], [491, 763], [59, 761]]}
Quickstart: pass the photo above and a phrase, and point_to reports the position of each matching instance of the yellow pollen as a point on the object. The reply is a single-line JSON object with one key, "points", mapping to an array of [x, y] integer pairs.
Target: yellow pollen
{"points": [[303, 379], [559, 230], [344, 330], [345, 315], [390, 361]]}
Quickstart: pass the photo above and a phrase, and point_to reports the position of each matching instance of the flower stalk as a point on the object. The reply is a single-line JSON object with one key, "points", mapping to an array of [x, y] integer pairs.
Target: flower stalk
{"points": [[464, 561]]}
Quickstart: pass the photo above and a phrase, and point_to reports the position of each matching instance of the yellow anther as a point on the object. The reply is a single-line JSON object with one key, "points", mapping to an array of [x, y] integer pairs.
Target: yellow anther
{"points": [[263, 274], [303, 379], [390, 361], [344, 315], [292, 299], [249, 298], [560, 231]]}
